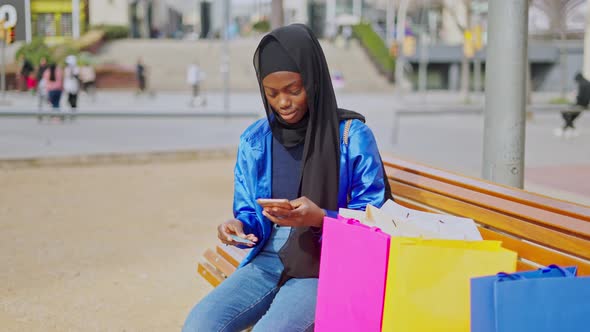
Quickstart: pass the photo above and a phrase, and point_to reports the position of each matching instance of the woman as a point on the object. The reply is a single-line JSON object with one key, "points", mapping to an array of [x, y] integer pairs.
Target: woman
{"points": [[307, 150], [53, 78]]}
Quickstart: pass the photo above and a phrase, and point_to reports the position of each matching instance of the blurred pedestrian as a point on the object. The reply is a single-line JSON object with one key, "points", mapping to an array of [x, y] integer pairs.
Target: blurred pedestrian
{"points": [[582, 101], [26, 68], [41, 94], [53, 78], [347, 34], [72, 81], [88, 80], [140, 72], [194, 77]]}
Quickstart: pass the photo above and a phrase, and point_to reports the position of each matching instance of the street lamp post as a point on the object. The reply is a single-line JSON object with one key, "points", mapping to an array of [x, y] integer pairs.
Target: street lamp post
{"points": [[76, 19], [225, 57], [504, 122]]}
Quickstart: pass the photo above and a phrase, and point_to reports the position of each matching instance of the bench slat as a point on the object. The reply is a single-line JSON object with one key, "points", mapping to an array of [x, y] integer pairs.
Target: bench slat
{"points": [[546, 218], [232, 254], [210, 274], [535, 233], [539, 201], [524, 266], [221, 264], [535, 253]]}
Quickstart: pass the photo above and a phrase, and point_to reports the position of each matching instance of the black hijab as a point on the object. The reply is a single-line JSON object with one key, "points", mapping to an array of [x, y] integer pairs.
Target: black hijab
{"points": [[320, 129], [281, 50]]}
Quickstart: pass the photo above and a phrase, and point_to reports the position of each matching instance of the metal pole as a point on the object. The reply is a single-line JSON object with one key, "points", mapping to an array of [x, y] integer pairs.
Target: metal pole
{"points": [[28, 21], [3, 67], [504, 123], [587, 46], [476, 73], [76, 19], [357, 8], [225, 58], [389, 22], [330, 19], [400, 35], [423, 65], [465, 62]]}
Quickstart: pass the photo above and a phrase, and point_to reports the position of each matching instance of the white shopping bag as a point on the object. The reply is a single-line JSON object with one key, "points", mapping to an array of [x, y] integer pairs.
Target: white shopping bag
{"points": [[398, 220]]}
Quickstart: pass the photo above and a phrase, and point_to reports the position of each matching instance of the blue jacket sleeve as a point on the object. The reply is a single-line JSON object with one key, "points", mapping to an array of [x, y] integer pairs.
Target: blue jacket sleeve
{"points": [[367, 184], [244, 201]]}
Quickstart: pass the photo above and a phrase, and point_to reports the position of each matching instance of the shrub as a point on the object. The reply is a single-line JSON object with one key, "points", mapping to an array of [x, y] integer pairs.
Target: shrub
{"points": [[35, 50], [112, 32], [376, 48], [261, 26]]}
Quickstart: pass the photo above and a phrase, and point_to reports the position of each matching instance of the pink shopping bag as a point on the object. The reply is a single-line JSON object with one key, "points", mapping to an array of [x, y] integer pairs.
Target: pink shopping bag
{"points": [[353, 271]]}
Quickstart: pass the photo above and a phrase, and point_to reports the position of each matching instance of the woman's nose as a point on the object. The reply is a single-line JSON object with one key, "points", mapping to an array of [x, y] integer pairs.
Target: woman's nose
{"points": [[284, 102]]}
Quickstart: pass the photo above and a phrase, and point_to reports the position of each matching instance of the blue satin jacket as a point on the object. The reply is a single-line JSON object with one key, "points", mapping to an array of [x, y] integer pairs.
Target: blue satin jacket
{"points": [[361, 176]]}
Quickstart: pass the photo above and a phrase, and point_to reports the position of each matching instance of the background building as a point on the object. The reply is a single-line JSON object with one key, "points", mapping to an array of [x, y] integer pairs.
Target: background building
{"points": [[53, 19]]}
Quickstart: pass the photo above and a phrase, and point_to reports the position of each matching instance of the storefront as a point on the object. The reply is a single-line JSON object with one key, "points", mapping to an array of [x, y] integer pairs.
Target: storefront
{"points": [[53, 19]]}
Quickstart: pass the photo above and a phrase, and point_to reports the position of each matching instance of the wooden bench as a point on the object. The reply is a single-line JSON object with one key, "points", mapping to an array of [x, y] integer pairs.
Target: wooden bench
{"points": [[541, 229]]}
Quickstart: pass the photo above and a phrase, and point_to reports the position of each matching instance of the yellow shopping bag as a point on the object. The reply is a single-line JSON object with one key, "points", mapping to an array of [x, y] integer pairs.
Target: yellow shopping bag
{"points": [[428, 282]]}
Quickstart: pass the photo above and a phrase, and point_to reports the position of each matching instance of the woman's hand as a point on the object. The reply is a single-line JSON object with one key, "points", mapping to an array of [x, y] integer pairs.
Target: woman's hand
{"points": [[304, 213], [234, 227]]}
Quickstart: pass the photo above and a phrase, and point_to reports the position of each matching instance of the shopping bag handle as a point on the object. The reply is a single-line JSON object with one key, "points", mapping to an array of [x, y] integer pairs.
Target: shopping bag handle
{"points": [[352, 221], [503, 276], [564, 272]]}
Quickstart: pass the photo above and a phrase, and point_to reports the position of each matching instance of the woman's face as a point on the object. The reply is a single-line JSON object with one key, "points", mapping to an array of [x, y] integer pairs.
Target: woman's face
{"points": [[286, 95]]}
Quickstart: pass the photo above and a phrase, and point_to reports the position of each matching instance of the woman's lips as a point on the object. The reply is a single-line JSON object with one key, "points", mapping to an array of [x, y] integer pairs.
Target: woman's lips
{"points": [[288, 114]]}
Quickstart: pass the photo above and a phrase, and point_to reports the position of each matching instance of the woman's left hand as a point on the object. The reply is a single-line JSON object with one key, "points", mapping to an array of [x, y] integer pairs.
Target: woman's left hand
{"points": [[304, 213]]}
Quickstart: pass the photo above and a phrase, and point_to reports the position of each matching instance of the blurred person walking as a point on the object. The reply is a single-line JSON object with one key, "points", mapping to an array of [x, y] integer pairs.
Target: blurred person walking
{"points": [[41, 95], [140, 73], [88, 80], [72, 81], [194, 77]]}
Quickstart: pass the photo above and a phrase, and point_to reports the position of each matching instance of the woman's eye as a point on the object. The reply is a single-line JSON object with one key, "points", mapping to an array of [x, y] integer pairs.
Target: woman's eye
{"points": [[296, 92]]}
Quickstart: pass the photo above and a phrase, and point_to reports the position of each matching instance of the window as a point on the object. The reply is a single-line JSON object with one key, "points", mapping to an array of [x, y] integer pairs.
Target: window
{"points": [[66, 24], [45, 25]]}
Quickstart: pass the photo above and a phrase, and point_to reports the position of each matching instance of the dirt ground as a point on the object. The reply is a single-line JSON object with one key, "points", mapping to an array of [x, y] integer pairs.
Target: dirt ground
{"points": [[107, 248]]}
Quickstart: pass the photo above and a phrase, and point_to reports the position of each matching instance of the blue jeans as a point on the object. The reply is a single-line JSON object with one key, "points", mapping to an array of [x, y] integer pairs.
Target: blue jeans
{"points": [[54, 97], [250, 296]]}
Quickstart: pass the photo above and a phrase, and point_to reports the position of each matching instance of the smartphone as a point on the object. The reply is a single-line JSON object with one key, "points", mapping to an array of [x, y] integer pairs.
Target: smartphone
{"points": [[275, 202], [241, 240]]}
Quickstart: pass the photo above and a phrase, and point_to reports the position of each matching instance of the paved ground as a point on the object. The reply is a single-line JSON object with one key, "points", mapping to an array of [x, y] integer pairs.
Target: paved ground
{"points": [[110, 248]]}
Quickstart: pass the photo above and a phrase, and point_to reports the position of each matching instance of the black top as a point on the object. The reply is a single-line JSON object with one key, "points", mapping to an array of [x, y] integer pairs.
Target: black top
{"points": [[286, 167]]}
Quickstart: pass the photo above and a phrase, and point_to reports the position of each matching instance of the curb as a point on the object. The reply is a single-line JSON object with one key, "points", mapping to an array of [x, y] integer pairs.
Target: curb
{"points": [[119, 158]]}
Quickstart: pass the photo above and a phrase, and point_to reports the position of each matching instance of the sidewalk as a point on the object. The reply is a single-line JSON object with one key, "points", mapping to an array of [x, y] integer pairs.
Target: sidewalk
{"points": [[450, 141]]}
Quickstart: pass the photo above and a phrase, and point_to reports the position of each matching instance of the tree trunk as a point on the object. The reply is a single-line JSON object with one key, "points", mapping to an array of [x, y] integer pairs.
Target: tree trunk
{"points": [[465, 62], [587, 46], [277, 18]]}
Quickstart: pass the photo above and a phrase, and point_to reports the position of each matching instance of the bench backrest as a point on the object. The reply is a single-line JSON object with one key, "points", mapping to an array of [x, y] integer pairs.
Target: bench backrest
{"points": [[541, 229]]}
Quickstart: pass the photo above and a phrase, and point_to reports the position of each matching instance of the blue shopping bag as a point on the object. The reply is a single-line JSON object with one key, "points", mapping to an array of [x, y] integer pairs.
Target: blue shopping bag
{"points": [[486, 304]]}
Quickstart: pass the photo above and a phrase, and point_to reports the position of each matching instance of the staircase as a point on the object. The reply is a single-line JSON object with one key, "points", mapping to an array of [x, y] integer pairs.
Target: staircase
{"points": [[167, 61]]}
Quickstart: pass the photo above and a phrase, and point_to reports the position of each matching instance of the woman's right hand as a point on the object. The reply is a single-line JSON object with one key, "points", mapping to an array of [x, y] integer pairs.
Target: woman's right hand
{"points": [[234, 227]]}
